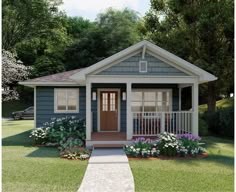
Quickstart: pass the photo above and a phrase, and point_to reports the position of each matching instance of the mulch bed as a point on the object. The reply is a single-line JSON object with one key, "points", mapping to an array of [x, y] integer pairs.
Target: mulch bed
{"points": [[161, 157]]}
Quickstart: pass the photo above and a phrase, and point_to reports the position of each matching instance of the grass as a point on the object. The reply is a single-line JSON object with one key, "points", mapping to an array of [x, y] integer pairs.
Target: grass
{"points": [[224, 103], [212, 174], [9, 107], [27, 168]]}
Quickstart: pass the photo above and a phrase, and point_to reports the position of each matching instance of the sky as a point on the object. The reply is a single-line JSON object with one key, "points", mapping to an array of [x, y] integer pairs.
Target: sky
{"points": [[90, 8]]}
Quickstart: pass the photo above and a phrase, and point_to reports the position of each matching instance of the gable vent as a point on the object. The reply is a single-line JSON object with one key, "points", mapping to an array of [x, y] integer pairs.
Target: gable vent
{"points": [[142, 66]]}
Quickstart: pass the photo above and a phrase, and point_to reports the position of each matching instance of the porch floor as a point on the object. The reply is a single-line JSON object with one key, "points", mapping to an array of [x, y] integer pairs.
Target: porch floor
{"points": [[108, 136]]}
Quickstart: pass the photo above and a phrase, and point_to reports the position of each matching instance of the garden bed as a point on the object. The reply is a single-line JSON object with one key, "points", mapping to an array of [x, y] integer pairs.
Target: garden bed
{"points": [[162, 157]]}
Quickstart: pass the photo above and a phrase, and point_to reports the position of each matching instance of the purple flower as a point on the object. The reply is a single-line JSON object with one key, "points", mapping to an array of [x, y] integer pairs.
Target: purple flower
{"points": [[189, 137]]}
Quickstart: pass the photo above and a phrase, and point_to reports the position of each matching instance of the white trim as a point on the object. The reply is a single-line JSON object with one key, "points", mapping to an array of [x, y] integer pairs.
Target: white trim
{"points": [[195, 97], [129, 115], [204, 76], [180, 97], [47, 83], [138, 79], [88, 111], [140, 66], [66, 111], [98, 108], [143, 52], [35, 103]]}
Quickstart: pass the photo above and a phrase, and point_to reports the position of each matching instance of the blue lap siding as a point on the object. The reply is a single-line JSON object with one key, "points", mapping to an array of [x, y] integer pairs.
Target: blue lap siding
{"points": [[130, 66], [45, 102], [45, 105]]}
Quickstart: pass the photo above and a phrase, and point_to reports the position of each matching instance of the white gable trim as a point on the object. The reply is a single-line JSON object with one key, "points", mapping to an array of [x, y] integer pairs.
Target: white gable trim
{"points": [[203, 75]]}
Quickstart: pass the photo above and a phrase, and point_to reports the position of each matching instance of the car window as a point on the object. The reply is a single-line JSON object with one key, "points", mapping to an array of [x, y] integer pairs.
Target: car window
{"points": [[30, 109]]}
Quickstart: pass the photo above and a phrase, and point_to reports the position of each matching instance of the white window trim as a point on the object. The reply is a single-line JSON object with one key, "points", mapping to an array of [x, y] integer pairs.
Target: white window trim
{"points": [[155, 90], [66, 111], [140, 66]]}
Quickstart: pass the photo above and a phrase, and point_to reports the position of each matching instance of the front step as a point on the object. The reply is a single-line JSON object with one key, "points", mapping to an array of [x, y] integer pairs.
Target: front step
{"points": [[92, 143], [108, 146]]}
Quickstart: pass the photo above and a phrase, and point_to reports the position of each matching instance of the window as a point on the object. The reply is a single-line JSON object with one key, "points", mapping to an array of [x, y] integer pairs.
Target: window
{"points": [[151, 100], [66, 100], [142, 66]]}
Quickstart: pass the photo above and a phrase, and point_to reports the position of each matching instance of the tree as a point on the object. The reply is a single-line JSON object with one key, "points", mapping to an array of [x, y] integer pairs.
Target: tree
{"points": [[113, 31], [46, 65], [199, 31], [12, 72], [26, 18]]}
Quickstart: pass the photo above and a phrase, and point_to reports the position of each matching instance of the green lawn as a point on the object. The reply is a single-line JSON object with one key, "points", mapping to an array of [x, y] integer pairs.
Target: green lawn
{"points": [[27, 168], [221, 104], [212, 174]]}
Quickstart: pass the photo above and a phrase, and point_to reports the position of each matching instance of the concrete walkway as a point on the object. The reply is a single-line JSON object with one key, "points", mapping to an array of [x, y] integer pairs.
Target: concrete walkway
{"points": [[108, 171]]}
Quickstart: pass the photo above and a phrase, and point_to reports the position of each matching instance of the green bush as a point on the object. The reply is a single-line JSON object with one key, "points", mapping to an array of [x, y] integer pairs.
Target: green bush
{"points": [[221, 122], [59, 130], [203, 126]]}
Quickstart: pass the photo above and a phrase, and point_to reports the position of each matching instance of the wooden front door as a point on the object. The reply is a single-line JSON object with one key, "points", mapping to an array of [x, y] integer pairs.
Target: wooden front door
{"points": [[109, 111]]}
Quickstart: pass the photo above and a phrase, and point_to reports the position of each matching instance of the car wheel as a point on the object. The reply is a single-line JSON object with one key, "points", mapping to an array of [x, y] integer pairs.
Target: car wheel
{"points": [[16, 117]]}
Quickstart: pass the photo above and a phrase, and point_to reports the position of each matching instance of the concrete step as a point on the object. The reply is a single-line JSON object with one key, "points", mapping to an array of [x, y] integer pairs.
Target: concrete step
{"points": [[108, 146]]}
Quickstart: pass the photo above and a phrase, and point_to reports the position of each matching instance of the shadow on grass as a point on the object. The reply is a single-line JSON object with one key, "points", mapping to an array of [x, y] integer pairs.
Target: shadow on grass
{"points": [[21, 139], [219, 159], [44, 152]]}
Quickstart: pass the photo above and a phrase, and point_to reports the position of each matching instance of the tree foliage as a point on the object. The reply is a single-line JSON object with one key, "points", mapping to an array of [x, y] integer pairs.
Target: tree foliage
{"points": [[199, 31], [113, 31], [12, 72]]}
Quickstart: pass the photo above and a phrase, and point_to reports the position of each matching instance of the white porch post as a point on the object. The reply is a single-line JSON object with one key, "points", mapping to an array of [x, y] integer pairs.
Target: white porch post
{"points": [[35, 107], [195, 108], [180, 95], [129, 120], [88, 111]]}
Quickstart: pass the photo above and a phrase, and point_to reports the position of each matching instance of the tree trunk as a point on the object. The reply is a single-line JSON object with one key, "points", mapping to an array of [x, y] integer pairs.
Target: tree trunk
{"points": [[211, 104]]}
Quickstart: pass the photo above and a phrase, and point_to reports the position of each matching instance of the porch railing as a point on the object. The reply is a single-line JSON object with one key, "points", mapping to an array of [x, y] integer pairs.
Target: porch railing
{"points": [[153, 123]]}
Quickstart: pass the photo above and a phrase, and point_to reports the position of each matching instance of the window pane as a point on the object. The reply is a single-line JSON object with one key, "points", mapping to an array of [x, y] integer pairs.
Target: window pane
{"points": [[149, 96], [104, 102], [136, 96], [159, 96], [72, 103], [136, 106], [149, 106], [112, 101], [61, 99]]}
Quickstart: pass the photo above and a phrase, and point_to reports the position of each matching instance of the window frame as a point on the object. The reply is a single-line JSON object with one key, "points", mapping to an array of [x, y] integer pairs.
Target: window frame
{"points": [[140, 66], [156, 99], [66, 111]]}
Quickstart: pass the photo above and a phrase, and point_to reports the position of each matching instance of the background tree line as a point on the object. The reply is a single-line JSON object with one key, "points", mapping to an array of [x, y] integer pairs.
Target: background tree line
{"points": [[49, 41]]}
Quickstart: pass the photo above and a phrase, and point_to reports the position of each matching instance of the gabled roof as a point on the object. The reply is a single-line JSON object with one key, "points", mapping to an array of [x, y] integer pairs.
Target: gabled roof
{"points": [[203, 75], [71, 78]]}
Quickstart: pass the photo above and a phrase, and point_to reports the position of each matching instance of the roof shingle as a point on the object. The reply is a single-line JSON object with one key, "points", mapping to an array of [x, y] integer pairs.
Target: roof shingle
{"points": [[58, 77]]}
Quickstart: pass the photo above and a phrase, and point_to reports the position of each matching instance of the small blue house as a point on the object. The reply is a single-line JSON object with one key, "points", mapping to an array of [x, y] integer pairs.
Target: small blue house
{"points": [[135, 92]]}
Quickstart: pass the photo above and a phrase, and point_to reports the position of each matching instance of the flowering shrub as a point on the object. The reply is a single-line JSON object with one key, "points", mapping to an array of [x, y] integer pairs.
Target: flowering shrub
{"points": [[142, 147], [40, 135], [167, 144], [75, 154], [190, 143], [59, 130], [70, 143]]}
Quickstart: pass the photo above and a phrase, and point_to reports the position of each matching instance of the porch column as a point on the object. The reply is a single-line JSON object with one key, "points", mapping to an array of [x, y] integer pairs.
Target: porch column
{"points": [[195, 108], [129, 120], [88, 111], [180, 95]]}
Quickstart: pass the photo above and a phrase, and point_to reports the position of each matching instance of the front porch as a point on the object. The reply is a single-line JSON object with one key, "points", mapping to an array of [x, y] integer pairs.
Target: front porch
{"points": [[134, 120]]}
